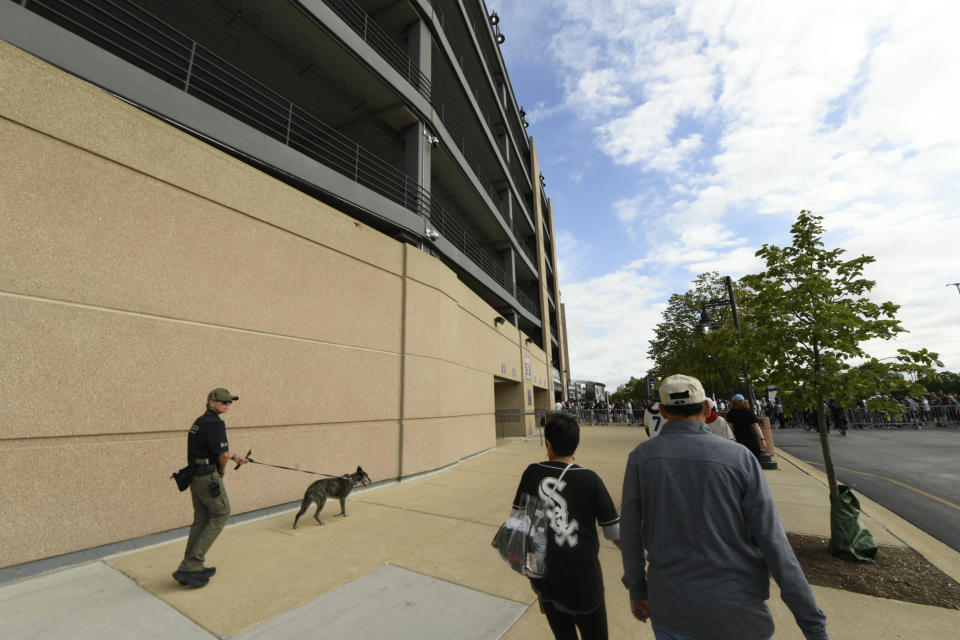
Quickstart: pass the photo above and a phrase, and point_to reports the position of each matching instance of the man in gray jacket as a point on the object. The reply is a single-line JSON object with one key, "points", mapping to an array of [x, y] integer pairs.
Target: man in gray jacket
{"points": [[698, 509]]}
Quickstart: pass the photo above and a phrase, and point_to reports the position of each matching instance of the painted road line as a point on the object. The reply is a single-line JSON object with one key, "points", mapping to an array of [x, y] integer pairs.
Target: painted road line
{"points": [[902, 484]]}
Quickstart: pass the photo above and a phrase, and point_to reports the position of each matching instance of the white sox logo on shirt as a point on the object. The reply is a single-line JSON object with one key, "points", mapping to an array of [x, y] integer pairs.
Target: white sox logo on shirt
{"points": [[557, 515]]}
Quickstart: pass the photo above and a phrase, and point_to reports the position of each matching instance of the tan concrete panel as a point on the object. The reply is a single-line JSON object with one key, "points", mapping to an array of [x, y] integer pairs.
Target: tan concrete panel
{"points": [[481, 342], [435, 388], [431, 443], [430, 271], [76, 493], [440, 326], [478, 308], [492, 346], [81, 228], [506, 361], [123, 373], [477, 340], [432, 323], [65, 107]]}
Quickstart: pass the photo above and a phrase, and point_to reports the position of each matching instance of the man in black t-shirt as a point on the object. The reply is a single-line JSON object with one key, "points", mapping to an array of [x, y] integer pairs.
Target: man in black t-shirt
{"points": [[571, 594], [208, 453]]}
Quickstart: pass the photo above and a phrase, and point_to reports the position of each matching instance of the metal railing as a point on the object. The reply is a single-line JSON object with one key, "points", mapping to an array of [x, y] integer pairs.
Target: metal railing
{"points": [[454, 45], [478, 28], [129, 32], [527, 249], [513, 423], [472, 84], [599, 416], [367, 28], [449, 119], [939, 415], [364, 26]]}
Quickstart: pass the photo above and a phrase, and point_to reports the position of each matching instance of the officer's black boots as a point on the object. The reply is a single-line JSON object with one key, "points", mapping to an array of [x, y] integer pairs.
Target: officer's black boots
{"points": [[191, 578]]}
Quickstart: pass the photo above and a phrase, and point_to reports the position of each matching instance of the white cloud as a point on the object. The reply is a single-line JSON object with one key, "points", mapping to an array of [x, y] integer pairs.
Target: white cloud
{"points": [[610, 321], [751, 111], [571, 253]]}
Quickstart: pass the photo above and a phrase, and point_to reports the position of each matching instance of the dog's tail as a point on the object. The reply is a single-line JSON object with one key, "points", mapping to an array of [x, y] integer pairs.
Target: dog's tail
{"points": [[303, 508]]}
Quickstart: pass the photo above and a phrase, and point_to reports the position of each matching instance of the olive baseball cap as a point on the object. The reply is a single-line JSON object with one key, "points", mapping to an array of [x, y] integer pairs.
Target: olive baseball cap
{"points": [[681, 389], [222, 395]]}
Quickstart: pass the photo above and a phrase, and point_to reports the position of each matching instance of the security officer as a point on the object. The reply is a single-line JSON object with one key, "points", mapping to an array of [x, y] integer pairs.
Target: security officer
{"points": [[208, 453]]}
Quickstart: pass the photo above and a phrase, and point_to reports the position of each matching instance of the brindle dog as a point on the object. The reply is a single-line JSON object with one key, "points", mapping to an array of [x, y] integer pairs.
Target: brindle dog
{"points": [[340, 487]]}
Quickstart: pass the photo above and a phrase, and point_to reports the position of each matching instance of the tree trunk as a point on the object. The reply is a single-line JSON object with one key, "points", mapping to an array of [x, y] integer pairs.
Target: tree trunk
{"points": [[822, 427]]}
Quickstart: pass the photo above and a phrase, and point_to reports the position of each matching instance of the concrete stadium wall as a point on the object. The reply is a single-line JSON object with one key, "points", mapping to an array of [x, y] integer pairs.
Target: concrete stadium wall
{"points": [[141, 267]]}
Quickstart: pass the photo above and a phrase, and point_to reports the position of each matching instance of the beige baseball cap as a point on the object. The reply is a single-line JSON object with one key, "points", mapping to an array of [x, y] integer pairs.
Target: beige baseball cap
{"points": [[681, 389]]}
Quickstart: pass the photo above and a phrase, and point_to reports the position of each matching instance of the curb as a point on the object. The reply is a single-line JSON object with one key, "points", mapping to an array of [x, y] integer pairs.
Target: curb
{"points": [[937, 553]]}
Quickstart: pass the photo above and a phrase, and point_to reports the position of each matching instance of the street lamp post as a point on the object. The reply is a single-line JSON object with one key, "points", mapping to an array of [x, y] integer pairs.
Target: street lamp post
{"points": [[706, 325]]}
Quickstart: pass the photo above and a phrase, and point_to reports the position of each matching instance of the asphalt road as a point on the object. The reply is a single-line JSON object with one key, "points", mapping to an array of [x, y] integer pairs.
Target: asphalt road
{"points": [[915, 474]]}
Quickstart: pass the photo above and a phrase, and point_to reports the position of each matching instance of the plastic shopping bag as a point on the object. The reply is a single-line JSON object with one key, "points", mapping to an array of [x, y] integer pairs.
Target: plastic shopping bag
{"points": [[522, 539]]}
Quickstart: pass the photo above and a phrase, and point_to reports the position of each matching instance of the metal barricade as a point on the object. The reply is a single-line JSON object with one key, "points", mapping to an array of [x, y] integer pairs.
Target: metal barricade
{"points": [[600, 416], [938, 415], [513, 423]]}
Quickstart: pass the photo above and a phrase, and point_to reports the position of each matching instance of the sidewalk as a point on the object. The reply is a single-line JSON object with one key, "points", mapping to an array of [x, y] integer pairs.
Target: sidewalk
{"points": [[414, 560]]}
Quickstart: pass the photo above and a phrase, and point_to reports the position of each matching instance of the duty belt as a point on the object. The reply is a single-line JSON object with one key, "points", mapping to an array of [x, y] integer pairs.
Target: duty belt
{"points": [[202, 466]]}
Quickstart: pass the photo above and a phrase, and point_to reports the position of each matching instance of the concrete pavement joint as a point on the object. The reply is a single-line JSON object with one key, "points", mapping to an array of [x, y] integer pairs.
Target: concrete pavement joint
{"points": [[427, 513], [457, 584]]}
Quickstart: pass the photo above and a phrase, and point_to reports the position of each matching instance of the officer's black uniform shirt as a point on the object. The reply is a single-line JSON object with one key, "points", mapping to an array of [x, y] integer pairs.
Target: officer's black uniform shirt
{"points": [[207, 438]]}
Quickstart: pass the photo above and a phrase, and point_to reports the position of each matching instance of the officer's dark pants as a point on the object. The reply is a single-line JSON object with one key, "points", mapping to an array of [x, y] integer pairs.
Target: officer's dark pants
{"points": [[209, 516]]}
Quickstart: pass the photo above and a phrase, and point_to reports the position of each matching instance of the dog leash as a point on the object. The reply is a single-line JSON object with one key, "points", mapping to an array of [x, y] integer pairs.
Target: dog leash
{"points": [[277, 466]]}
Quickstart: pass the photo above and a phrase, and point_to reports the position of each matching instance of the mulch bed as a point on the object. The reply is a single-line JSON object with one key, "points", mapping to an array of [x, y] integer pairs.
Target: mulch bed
{"points": [[900, 573]]}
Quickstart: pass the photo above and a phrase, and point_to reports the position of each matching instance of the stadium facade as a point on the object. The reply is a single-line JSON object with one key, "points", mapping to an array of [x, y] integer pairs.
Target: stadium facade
{"points": [[330, 207]]}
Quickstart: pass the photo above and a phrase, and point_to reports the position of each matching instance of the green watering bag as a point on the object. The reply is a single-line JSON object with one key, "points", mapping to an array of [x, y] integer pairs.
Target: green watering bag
{"points": [[848, 537]]}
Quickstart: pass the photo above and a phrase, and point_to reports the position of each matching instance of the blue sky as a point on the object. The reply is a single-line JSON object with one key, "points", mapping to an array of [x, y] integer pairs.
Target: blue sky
{"points": [[677, 137]]}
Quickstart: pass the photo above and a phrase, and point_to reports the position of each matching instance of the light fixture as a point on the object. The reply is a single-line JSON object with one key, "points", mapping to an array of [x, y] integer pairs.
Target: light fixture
{"points": [[494, 21], [706, 324], [543, 181], [499, 320], [528, 341], [432, 234]]}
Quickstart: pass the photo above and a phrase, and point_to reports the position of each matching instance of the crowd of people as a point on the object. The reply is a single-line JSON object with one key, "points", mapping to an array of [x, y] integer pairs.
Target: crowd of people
{"points": [[936, 408]]}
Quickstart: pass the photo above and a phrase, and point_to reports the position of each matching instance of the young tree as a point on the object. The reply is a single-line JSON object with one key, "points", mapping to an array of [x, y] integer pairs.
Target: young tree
{"points": [[946, 381], [811, 316], [633, 389]]}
